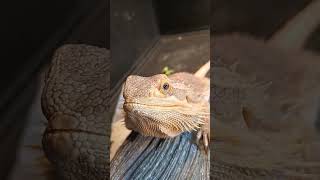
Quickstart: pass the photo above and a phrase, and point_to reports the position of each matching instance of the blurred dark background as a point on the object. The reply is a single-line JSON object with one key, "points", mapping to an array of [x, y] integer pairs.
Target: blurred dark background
{"points": [[30, 32], [258, 18], [182, 16]]}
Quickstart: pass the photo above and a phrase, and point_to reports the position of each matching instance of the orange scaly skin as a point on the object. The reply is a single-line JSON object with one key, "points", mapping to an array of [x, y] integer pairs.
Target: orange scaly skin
{"points": [[165, 106]]}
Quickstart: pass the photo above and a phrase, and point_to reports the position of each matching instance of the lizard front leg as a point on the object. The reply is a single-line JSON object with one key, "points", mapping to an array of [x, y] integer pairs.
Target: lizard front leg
{"points": [[203, 135]]}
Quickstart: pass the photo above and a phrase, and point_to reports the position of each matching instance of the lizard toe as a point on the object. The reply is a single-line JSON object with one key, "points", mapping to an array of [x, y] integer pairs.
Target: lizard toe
{"points": [[199, 135], [202, 139]]}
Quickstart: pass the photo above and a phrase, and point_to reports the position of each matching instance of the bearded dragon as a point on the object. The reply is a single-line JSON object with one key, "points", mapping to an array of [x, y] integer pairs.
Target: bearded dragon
{"points": [[258, 81], [165, 106], [264, 101]]}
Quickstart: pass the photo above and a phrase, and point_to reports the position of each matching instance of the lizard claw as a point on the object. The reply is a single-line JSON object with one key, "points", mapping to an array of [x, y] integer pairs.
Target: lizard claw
{"points": [[203, 138]]}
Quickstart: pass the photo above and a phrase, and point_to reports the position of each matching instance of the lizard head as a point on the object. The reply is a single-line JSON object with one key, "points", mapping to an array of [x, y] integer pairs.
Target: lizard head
{"points": [[160, 106]]}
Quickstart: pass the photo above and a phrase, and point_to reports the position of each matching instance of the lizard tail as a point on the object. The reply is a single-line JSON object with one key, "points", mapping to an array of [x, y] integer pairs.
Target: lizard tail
{"points": [[203, 70], [295, 33]]}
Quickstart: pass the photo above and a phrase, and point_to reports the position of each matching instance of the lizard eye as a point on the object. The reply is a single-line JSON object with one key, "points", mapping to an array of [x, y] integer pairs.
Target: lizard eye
{"points": [[165, 86]]}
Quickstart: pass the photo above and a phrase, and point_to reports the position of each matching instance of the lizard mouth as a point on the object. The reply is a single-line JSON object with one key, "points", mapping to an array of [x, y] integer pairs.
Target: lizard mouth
{"points": [[161, 123], [128, 105], [157, 107], [155, 102], [162, 119]]}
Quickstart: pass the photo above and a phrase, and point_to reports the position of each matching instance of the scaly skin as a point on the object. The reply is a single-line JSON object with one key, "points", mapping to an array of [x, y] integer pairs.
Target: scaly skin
{"points": [[262, 81], [74, 101], [165, 106], [263, 93], [264, 107], [242, 154]]}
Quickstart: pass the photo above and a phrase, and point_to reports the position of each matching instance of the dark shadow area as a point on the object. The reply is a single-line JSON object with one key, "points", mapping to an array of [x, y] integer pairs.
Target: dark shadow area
{"points": [[133, 32], [181, 16], [258, 18]]}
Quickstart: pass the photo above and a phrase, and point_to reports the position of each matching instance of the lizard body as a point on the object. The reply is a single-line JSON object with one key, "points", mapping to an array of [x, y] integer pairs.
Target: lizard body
{"points": [[264, 104], [165, 106], [74, 101], [263, 82], [265, 92]]}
